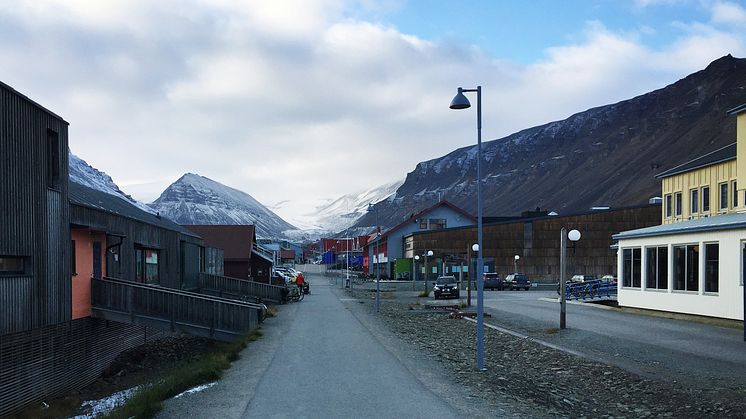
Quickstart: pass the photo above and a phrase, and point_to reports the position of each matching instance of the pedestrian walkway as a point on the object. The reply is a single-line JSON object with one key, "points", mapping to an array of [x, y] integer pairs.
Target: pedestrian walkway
{"points": [[324, 364]]}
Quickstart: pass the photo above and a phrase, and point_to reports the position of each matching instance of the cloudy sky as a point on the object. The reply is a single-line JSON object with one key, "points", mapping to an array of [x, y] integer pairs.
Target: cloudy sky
{"points": [[301, 101]]}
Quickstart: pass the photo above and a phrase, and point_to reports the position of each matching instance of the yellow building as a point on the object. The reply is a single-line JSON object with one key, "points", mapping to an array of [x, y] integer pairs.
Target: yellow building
{"points": [[695, 261], [707, 185]]}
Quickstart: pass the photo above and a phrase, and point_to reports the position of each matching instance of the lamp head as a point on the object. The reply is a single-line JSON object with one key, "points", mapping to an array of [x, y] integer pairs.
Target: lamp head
{"points": [[475, 247], [460, 101], [416, 257], [517, 257], [573, 235], [429, 252]]}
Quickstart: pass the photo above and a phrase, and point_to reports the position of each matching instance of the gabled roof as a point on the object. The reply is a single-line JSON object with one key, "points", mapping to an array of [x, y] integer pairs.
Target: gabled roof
{"points": [[439, 204], [237, 241], [718, 156], [85, 196], [737, 110], [718, 222]]}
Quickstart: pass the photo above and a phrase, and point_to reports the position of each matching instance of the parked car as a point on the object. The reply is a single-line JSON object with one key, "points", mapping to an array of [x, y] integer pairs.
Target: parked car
{"points": [[446, 285], [582, 278], [492, 281], [516, 281]]}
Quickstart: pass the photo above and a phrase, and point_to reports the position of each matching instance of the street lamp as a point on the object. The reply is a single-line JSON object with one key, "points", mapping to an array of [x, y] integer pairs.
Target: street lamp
{"points": [[461, 102], [515, 263], [371, 207], [414, 271], [428, 253], [573, 235]]}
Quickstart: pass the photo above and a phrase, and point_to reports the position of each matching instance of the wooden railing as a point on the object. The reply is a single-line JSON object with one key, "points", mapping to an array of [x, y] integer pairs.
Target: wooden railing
{"points": [[174, 310], [224, 286]]}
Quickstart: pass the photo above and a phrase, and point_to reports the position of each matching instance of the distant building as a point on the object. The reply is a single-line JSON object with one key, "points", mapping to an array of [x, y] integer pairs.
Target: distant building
{"points": [[695, 261], [242, 257], [382, 253]]}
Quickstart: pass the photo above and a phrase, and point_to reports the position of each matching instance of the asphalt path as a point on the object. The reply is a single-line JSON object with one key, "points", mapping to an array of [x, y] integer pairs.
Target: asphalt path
{"points": [[316, 360], [653, 346]]}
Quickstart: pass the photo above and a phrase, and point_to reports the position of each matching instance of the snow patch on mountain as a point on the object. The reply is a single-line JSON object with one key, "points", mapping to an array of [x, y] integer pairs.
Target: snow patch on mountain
{"points": [[195, 199], [84, 174]]}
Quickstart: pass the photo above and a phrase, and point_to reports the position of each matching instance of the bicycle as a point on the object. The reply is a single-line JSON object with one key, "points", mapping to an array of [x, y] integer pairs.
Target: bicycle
{"points": [[296, 294]]}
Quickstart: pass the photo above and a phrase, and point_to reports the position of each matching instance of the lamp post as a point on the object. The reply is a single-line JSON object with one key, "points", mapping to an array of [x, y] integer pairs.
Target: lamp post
{"points": [[461, 102], [573, 235], [371, 207], [414, 271], [428, 253], [515, 263]]}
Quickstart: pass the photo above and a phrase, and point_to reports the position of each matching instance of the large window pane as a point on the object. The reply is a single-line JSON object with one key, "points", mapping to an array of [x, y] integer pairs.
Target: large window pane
{"points": [[677, 200], [705, 199], [723, 196], [637, 268], [651, 269], [631, 268], [679, 268], [663, 268], [694, 201], [712, 267], [692, 268], [668, 206], [627, 268]]}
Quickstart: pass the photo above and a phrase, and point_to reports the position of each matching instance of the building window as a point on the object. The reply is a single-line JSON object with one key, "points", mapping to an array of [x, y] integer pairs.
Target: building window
{"points": [[735, 194], [657, 268], [146, 265], [53, 160], [631, 268], [723, 196], [705, 199], [12, 265], [668, 206], [686, 267], [677, 200], [694, 201], [712, 267], [433, 224]]}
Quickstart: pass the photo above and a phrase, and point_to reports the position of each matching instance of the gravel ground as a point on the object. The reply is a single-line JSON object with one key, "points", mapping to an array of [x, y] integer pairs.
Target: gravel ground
{"points": [[553, 382]]}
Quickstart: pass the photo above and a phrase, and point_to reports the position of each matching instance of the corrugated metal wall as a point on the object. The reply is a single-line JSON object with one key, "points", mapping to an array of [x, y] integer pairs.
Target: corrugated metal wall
{"points": [[51, 361], [30, 214]]}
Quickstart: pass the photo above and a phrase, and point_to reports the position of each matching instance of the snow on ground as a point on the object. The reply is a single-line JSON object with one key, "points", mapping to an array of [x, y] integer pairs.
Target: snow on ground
{"points": [[196, 389], [104, 406]]}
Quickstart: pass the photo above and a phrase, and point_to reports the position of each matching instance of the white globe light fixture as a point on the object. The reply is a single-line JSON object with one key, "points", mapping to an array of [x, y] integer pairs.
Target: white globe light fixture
{"points": [[573, 235], [475, 247]]}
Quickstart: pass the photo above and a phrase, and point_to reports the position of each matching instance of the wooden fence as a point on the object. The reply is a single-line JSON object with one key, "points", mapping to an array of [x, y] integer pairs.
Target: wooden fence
{"points": [[238, 288], [174, 310]]}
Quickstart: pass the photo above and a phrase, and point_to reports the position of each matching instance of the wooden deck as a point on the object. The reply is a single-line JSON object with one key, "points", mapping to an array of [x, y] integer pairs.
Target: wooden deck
{"points": [[174, 310], [223, 286]]}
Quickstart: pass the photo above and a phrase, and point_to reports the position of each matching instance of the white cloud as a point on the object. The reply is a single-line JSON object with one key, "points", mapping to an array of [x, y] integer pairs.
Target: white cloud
{"points": [[296, 100], [729, 13]]}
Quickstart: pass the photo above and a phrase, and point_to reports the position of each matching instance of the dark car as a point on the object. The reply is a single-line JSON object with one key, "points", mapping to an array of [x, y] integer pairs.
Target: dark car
{"points": [[517, 281], [492, 281], [446, 286]]}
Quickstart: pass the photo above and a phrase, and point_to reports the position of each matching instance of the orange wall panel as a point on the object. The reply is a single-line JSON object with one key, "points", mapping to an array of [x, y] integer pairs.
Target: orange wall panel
{"points": [[81, 280]]}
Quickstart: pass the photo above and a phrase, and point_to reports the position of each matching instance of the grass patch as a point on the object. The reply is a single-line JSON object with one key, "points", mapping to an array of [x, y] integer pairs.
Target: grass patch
{"points": [[424, 294], [271, 311], [146, 403]]}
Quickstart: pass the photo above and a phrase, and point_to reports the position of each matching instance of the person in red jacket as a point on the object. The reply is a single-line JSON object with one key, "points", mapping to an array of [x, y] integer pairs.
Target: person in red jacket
{"points": [[300, 281]]}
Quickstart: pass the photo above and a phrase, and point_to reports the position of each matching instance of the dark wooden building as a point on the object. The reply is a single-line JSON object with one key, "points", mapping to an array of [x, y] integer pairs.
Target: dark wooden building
{"points": [[242, 257], [536, 241]]}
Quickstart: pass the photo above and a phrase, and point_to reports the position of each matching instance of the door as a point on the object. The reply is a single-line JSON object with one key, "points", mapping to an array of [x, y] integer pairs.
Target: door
{"points": [[97, 260]]}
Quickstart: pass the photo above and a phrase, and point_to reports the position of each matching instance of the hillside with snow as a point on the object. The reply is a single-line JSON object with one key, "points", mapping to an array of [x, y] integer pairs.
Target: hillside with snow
{"points": [[84, 174], [195, 199]]}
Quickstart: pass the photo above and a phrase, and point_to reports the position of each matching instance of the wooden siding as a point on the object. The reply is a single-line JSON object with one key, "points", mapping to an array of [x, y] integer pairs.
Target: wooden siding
{"points": [[136, 233], [711, 176], [539, 250], [52, 361], [35, 219]]}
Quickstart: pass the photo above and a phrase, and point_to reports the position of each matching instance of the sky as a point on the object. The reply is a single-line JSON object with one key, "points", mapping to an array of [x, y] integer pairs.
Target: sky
{"points": [[298, 102]]}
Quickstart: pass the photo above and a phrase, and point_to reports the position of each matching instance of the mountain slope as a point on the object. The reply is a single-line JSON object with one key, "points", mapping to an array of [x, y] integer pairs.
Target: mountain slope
{"points": [[195, 199], [84, 174], [604, 156]]}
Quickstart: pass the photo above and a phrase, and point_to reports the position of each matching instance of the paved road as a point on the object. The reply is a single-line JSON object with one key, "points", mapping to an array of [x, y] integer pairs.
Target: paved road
{"points": [[316, 360], [654, 346]]}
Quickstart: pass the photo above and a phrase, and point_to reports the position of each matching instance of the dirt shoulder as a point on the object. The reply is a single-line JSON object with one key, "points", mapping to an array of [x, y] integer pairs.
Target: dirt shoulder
{"points": [[552, 382]]}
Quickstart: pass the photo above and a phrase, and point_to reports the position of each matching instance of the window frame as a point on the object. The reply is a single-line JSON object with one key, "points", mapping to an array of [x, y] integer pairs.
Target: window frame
{"points": [[668, 203], [694, 201], [631, 281], [723, 196], [734, 198], [657, 264], [687, 270], [678, 203], [705, 255], [22, 271], [705, 196]]}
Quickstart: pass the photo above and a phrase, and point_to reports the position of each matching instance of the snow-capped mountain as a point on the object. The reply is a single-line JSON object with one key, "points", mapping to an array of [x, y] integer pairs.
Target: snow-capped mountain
{"points": [[84, 174], [195, 199], [605, 156], [343, 212]]}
